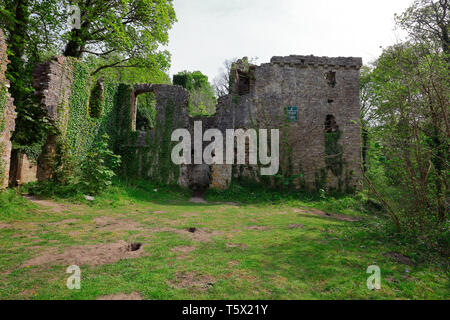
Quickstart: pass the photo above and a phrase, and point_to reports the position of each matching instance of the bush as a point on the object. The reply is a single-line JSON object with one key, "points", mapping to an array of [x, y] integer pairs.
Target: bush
{"points": [[98, 167]]}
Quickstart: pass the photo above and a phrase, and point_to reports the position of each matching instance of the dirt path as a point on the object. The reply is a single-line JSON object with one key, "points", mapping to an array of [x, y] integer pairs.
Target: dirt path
{"points": [[53, 206]]}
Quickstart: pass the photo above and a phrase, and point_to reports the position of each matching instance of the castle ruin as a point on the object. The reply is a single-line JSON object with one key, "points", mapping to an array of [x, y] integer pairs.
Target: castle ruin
{"points": [[313, 101]]}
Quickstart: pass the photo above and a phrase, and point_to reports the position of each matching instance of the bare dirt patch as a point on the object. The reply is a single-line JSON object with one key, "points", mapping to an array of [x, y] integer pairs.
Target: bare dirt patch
{"points": [[184, 249], [399, 258], [233, 263], [320, 213], [194, 233], [162, 229], [28, 293], [296, 226], [190, 214], [87, 255], [191, 280], [160, 212], [198, 200], [111, 224], [231, 204], [5, 226], [55, 207], [122, 296], [258, 228], [199, 234], [64, 223], [236, 245]]}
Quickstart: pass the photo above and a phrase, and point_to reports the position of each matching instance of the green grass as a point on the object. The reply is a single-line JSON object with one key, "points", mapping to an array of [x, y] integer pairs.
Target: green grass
{"points": [[326, 259]]}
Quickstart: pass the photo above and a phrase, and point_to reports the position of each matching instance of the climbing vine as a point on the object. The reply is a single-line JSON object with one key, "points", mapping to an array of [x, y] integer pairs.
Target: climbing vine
{"points": [[146, 111], [96, 100], [85, 122], [334, 152]]}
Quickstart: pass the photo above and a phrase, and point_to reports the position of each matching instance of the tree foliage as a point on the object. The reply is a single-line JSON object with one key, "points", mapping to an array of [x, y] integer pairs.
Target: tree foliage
{"points": [[202, 99], [405, 99], [428, 21], [130, 31], [120, 39]]}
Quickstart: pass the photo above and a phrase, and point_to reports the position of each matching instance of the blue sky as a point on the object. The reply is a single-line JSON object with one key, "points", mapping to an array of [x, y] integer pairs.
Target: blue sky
{"points": [[210, 31]]}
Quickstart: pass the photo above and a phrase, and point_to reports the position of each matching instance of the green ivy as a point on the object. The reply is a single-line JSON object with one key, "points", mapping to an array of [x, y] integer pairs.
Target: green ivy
{"points": [[96, 101], [146, 111], [334, 152], [88, 120]]}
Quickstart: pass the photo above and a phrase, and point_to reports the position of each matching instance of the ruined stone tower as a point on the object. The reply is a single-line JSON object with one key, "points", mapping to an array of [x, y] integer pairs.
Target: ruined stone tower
{"points": [[314, 101]]}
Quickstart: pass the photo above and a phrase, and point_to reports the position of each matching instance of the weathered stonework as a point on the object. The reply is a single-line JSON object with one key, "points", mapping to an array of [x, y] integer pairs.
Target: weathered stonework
{"points": [[151, 150], [319, 144], [324, 90], [22, 169], [320, 87], [7, 116], [52, 81]]}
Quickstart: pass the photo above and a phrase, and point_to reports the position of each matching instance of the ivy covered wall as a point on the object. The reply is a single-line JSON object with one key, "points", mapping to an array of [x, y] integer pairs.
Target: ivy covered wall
{"points": [[147, 153], [7, 116], [83, 109]]}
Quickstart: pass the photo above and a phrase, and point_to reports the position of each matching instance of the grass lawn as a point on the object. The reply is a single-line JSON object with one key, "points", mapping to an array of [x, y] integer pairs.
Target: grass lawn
{"points": [[245, 250]]}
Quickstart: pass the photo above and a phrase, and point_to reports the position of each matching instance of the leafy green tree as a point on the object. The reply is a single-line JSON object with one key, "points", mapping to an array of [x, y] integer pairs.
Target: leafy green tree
{"points": [[404, 98], [20, 20], [202, 98], [98, 167], [428, 21], [410, 97], [124, 33]]}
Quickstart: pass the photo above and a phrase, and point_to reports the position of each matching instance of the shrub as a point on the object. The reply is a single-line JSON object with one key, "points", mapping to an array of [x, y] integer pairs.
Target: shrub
{"points": [[98, 167]]}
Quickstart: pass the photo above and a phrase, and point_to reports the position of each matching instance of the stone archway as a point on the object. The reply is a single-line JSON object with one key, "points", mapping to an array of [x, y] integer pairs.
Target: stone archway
{"points": [[137, 90]]}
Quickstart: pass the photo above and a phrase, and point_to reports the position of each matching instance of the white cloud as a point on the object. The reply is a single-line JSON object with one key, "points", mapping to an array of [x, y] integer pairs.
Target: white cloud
{"points": [[210, 31]]}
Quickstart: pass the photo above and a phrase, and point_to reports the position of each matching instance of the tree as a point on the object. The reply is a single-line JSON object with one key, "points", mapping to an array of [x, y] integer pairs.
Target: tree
{"points": [[124, 33], [428, 21], [202, 99], [409, 88], [366, 103], [20, 20], [221, 83]]}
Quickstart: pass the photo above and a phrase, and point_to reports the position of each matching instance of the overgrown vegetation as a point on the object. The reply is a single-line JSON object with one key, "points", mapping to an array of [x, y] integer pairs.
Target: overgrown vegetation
{"points": [[121, 44], [98, 167], [406, 131], [402, 209], [258, 247], [146, 111], [202, 100]]}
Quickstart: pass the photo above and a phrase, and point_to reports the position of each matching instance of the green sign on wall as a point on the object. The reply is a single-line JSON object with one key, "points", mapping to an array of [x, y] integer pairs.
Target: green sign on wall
{"points": [[292, 114]]}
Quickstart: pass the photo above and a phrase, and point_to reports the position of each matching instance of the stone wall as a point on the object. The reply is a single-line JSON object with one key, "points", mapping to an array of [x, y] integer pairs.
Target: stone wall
{"points": [[320, 147], [321, 89], [22, 169], [7, 116], [147, 154], [52, 81]]}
